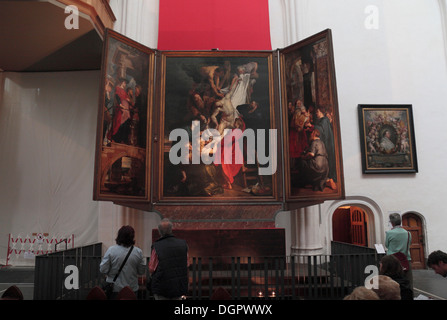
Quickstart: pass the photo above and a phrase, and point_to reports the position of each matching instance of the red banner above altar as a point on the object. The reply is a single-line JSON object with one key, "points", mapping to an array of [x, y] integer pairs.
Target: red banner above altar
{"points": [[212, 24]]}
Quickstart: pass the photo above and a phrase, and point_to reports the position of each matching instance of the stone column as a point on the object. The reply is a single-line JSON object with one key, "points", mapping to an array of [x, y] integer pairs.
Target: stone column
{"points": [[296, 24], [305, 229], [137, 19]]}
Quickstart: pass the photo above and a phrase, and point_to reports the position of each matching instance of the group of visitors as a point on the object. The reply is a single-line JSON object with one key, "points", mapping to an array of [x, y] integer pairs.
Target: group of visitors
{"points": [[168, 265], [395, 279]]}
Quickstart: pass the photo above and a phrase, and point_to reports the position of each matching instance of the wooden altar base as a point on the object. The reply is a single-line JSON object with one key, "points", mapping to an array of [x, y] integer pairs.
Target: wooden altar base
{"points": [[232, 242]]}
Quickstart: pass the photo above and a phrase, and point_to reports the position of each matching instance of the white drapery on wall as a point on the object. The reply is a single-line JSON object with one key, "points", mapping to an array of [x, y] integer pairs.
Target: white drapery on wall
{"points": [[47, 141], [47, 130]]}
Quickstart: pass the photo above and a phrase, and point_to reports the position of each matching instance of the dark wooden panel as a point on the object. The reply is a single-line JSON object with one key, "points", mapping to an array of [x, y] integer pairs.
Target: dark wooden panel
{"points": [[232, 242], [341, 226]]}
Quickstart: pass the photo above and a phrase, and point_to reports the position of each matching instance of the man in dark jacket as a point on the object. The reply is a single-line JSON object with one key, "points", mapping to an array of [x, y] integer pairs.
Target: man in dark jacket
{"points": [[437, 260], [169, 265]]}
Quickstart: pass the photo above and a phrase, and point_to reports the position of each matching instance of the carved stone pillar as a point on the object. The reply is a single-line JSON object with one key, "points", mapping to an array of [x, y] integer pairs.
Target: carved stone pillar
{"points": [[295, 20], [137, 19], [305, 229]]}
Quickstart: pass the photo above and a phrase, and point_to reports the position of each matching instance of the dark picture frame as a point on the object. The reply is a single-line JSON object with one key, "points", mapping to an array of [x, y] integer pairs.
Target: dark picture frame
{"points": [[196, 86], [313, 169], [387, 138], [123, 140]]}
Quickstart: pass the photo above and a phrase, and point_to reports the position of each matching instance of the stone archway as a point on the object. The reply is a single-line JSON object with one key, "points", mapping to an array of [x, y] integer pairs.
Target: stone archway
{"points": [[375, 232]]}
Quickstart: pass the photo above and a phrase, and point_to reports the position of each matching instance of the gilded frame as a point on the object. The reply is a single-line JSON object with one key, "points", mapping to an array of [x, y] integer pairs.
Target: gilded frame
{"points": [[186, 94], [308, 86], [387, 138]]}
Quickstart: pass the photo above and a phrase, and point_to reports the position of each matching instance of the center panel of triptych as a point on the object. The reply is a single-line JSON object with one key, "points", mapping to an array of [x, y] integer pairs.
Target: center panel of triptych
{"points": [[217, 132]]}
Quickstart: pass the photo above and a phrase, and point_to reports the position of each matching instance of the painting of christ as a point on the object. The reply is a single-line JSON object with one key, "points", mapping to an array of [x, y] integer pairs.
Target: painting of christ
{"points": [[216, 111]]}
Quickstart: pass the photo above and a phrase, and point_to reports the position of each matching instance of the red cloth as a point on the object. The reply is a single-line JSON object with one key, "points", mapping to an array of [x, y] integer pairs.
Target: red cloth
{"points": [[231, 148], [230, 169], [120, 115], [211, 24]]}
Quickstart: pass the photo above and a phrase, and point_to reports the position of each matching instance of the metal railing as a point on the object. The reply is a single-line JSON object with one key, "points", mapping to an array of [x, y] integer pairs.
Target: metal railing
{"points": [[283, 278], [49, 273], [254, 278], [348, 248]]}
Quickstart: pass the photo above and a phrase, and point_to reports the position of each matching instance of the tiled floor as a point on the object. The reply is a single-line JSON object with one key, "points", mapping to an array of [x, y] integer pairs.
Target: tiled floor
{"points": [[22, 277]]}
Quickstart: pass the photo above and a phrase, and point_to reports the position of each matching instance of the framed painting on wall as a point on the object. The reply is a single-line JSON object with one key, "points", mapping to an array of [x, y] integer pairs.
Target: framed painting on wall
{"points": [[217, 135], [124, 120], [387, 139], [312, 145]]}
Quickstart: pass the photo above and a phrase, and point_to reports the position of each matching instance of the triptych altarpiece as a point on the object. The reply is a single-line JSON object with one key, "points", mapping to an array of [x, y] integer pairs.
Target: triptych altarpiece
{"points": [[218, 126]]}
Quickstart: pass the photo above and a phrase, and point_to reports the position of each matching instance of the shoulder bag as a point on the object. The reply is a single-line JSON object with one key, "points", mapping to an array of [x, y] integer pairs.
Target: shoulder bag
{"points": [[108, 286]]}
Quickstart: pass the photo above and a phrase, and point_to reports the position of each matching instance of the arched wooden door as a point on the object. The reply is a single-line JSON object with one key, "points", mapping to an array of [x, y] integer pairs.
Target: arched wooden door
{"points": [[413, 223], [358, 226], [349, 225]]}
